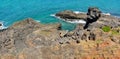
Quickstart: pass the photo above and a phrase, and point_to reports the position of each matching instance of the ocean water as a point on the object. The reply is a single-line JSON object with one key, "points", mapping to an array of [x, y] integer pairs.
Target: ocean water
{"points": [[12, 11]]}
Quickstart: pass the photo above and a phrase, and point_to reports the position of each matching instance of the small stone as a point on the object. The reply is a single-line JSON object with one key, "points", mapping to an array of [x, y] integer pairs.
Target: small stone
{"points": [[84, 37], [92, 36]]}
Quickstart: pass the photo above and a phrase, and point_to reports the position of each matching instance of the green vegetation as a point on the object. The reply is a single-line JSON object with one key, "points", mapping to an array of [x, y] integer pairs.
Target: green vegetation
{"points": [[106, 28], [115, 32]]}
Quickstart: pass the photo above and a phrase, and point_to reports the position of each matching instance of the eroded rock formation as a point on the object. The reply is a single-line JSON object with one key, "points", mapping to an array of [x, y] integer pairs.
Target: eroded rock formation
{"points": [[93, 15]]}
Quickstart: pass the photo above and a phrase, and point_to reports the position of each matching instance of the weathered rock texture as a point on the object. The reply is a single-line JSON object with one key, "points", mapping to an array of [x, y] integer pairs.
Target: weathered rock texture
{"points": [[68, 14], [29, 39]]}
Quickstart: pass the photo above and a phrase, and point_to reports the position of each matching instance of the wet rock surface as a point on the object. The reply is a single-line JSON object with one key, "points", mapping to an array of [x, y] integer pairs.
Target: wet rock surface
{"points": [[29, 39]]}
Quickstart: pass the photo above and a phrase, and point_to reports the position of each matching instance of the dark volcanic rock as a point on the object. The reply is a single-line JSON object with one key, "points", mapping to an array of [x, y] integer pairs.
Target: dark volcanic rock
{"points": [[0, 24], [92, 16], [92, 36]]}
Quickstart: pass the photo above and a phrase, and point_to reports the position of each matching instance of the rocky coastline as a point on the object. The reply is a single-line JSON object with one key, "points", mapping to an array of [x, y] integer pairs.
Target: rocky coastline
{"points": [[89, 17], [99, 38]]}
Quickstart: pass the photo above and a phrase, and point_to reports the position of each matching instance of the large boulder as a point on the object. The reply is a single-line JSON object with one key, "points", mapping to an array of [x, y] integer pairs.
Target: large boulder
{"points": [[93, 15]]}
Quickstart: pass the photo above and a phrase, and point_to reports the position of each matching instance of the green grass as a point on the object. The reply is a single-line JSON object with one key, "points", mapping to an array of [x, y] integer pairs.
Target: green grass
{"points": [[115, 32], [106, 28]]}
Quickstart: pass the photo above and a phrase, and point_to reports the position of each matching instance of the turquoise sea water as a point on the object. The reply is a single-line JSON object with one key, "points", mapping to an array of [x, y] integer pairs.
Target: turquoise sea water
{"points": [[40, 10]]}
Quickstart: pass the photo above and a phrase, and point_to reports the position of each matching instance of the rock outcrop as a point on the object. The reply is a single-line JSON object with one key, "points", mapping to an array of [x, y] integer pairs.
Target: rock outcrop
{"points": [[28, 39], [21, 35], [69, 15], [92, 16]]}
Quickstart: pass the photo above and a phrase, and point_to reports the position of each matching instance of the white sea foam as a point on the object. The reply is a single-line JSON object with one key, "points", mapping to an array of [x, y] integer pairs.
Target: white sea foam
{"points": [[77, 12], [78, 21], [106, 13], [37, 20], [52, 15], [2, 27], [110, 14]]}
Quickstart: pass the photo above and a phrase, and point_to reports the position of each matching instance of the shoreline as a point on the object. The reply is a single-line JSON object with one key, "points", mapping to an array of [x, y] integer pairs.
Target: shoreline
{"points": [[80, 21], [76, 21], [2, 27]]}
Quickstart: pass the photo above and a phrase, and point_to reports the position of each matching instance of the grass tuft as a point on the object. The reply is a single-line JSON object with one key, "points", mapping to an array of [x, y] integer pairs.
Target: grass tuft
{"points": [[106, 28]]}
